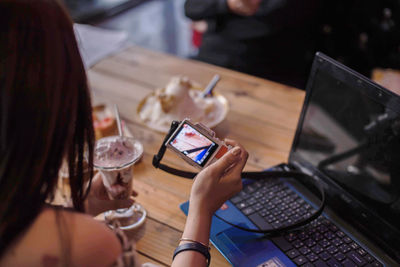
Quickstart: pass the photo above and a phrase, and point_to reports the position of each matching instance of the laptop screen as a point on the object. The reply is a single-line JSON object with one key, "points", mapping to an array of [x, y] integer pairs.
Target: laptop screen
{"points": [[354, 140]]}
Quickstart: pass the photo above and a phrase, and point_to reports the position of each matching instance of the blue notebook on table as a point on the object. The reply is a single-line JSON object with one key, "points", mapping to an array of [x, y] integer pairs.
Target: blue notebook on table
{"points": [[349, 136]]}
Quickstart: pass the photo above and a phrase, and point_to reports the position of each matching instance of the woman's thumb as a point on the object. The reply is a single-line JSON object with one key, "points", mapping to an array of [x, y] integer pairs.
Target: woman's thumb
{"points": [[227, 160]]}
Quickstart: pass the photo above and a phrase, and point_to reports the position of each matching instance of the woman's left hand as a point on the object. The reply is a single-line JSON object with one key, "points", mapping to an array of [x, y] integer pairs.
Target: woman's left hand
{"points": [[98, 200]]}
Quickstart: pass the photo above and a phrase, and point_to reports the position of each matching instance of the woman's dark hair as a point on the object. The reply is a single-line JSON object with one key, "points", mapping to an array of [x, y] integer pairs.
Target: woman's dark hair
{"points": [[45, 111]]}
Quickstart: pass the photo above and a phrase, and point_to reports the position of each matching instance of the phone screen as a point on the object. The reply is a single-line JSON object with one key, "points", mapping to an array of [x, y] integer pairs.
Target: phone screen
{"points": [[193, 144]]}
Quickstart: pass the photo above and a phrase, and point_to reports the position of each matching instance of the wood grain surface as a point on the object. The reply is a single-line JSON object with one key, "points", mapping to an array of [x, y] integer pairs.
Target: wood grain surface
{"points": [[263, 117]]}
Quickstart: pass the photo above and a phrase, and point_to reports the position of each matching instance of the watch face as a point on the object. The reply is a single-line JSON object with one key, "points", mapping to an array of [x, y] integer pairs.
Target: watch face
{"points": [[193, 145]]}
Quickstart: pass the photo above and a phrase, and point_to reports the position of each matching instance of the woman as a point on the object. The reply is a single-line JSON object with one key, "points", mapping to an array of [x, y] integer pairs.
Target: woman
{"points": [[45, 117]]}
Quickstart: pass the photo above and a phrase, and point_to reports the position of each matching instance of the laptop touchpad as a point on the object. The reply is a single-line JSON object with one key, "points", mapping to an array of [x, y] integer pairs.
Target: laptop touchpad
{"points": [[250, 249]]}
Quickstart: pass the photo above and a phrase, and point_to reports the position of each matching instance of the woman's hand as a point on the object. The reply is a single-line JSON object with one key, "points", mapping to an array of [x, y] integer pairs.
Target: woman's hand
{"points": [[218, 182], [98, 200]]}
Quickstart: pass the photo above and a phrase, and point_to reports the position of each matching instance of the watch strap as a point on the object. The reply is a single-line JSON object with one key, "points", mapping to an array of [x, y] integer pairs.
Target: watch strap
{"points": [[194, 247]]}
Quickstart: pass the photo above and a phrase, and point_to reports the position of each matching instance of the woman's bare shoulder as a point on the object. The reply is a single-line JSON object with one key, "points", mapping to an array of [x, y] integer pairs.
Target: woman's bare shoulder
{"points": [[59, 235]]}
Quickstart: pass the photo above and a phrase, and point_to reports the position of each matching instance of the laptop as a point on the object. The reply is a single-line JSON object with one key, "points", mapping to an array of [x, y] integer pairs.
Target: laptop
{"points": [[349, 136]]}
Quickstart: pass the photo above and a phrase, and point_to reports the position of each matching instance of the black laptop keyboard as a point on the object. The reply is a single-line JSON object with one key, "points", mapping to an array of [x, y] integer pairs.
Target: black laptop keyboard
{"points": [[271, 204]]}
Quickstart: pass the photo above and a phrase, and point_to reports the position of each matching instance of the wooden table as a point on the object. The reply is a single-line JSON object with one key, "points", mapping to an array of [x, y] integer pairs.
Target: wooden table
{"points": [[263, 117]]}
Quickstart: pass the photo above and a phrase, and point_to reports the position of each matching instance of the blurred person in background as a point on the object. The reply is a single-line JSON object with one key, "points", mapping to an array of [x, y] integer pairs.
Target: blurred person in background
{"points": [[267, 38], [276, 39]]}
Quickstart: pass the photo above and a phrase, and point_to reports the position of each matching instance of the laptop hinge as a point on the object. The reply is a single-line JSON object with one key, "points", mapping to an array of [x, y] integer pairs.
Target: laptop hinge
{"points": [[302, 168]]}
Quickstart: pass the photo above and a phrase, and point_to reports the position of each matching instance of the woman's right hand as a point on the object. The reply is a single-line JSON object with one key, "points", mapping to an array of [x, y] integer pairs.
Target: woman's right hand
{"points": [[218, 182]]}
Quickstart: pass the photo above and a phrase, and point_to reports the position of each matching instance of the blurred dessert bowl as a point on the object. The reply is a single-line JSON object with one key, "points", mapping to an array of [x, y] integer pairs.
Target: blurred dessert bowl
{"points": [[177, 101]]}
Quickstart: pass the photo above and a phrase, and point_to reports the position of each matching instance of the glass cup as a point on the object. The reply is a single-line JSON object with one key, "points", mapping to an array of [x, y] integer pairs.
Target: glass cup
{"points": [[114, 157]]}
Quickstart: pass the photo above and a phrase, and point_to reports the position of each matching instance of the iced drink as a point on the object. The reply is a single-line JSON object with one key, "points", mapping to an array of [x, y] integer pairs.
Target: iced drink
{"points": [[114, 157]]}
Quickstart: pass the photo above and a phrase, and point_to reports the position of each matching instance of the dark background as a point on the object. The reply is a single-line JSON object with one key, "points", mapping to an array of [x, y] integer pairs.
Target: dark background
{"points": [[362, 34]]}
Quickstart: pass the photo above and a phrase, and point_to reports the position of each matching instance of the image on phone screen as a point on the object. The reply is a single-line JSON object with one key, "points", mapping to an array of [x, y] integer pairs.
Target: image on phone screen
{"points": [[193, 144]]}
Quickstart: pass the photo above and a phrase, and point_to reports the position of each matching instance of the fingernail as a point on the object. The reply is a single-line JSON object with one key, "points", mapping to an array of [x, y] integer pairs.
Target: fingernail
{"points": [[236, 151]]}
